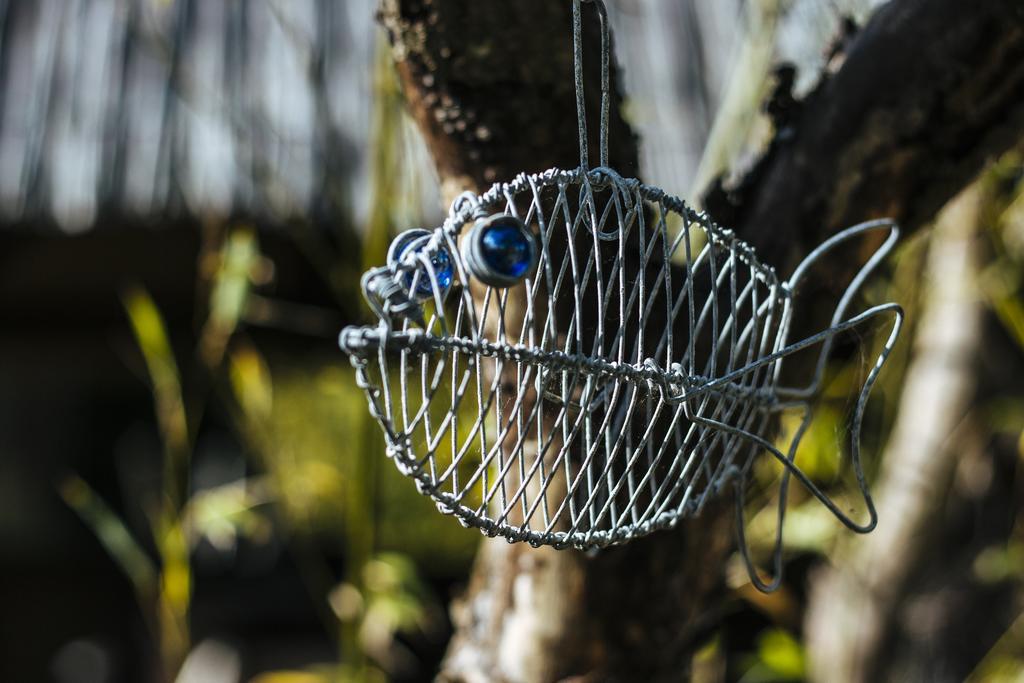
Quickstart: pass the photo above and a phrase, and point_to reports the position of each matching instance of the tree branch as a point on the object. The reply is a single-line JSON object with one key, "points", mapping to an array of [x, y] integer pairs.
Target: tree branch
{"points": [[927, 92], [490, 86]]}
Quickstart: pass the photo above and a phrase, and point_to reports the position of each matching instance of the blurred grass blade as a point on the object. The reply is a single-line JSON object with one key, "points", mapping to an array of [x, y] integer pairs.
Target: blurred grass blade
{"points": [[240, 262], [175, 596], [151, 335], [113, 536], [252, 384]]}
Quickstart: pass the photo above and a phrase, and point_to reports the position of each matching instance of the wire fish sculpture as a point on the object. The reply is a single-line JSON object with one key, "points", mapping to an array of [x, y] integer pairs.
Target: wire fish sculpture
{"points": [[577, 359]]}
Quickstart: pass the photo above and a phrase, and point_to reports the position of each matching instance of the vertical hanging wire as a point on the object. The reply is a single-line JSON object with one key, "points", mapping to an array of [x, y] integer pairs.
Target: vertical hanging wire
{"points": [[605, 79], [581, 102]]}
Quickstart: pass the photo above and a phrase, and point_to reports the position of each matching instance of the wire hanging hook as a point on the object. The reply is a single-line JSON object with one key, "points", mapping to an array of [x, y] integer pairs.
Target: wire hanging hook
{"points": [[581, 102]]}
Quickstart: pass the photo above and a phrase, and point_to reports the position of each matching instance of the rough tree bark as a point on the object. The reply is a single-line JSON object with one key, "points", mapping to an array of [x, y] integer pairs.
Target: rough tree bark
{"points": [[921, 98], [927, 91]]}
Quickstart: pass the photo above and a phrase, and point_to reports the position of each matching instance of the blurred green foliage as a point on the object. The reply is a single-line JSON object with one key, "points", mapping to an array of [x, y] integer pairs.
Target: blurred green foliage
{"points": [[316, 453], [779, 657]]}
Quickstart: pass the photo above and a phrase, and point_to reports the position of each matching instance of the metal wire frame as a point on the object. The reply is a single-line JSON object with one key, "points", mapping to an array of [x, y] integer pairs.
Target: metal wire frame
{"points": [[623, 385], [630, 389]]}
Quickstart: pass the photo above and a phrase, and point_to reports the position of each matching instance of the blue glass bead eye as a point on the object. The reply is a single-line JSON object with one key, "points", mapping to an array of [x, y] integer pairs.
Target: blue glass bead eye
{"points": [[500, 251], [414, 241]]}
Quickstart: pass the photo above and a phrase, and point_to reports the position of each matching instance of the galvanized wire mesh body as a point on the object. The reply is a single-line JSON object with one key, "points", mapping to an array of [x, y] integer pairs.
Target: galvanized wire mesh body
{"points": [[577, 408], [630, 375]]}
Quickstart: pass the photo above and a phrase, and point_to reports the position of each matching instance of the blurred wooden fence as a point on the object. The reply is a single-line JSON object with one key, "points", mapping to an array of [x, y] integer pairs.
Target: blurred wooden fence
{"points": [[143, 110]]}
